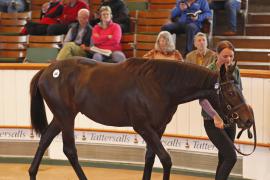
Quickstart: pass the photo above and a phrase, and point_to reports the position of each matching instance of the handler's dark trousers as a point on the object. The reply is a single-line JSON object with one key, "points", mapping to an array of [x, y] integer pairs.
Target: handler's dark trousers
{"points": [[222, 139]]}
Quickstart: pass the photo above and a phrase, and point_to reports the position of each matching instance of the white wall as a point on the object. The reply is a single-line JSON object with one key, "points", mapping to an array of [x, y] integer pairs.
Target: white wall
{"points": [[15, 107]]}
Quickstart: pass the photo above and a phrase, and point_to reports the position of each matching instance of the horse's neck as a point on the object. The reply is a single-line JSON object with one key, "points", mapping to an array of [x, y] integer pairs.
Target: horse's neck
{"points": [[182, 82], [198, 86]]}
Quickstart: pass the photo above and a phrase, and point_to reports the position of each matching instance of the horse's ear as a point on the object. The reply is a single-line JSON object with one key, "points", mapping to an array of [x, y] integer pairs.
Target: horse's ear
{"points": [[231, 68], [223, 72]]}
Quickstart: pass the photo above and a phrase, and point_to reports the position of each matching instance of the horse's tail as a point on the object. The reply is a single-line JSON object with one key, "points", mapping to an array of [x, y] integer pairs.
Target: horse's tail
{"points": [[38, 113]]}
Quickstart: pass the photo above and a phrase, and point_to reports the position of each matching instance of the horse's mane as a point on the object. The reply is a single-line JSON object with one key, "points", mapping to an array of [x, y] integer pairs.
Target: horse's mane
{"points": [[169, 71]]}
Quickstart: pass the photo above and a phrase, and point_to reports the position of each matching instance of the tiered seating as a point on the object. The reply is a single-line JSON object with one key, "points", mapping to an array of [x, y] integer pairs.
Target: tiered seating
{"points": [[144, 43], [134, 5], [151, 21], [94, 4], [252, 52], [41, 49], [12, 23], [29, 48], [258, 24], [161, 4], [148, 16], [220, 19], [36, 4], [12, 48], [127, 42], [147, 26], [35, 14], [45, 41]]}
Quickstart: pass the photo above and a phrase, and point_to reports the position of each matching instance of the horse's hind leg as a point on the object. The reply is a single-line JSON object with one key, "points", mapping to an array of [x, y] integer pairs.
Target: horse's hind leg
{"points": [[149, 160], [71, 152], [46, 138], [153, 141]]}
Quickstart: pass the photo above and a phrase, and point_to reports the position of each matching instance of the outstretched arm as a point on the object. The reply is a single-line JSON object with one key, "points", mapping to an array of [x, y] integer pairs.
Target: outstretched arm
{"points": [[207, 107]]}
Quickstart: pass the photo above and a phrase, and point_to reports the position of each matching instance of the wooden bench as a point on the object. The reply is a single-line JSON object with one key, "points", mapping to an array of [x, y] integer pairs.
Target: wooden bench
{"points": [[37, 4], [42, 49], [19, 15], [249, 42], [150, 22], [127, 42], [144, 43], [35, 15], [10, 30], [161, 4], [12, 48], [220, 19], [13, 23], [251, 51], [45, 41]]}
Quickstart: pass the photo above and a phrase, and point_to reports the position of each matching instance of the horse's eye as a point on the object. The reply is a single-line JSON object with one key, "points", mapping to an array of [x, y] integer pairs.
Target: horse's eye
{"points": [[231, 93]]}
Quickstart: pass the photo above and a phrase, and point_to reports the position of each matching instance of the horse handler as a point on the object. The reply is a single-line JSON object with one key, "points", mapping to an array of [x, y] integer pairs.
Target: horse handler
{"points": [[214, 126]]}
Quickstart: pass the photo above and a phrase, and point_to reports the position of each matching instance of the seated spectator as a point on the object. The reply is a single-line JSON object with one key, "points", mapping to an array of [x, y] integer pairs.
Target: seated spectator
{"points": [[187, 17], [164, 48], [107, 35], [231, 7], [71, 9], [12, 6], [202, 55], [119, 14], [49, 15], [77, 40]]}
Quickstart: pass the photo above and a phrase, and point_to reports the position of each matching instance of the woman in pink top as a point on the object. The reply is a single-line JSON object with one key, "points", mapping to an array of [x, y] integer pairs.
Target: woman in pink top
{"points": [[107, 35]]}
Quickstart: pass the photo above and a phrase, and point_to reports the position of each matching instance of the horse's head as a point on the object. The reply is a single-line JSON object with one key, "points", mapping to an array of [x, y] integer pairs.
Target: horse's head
{"points": [[232, 101]]}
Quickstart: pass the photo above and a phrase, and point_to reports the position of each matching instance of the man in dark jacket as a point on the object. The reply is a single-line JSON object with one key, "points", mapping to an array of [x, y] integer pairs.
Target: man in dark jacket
{"points": [[70, 11], [78, 38], [120, 14]]}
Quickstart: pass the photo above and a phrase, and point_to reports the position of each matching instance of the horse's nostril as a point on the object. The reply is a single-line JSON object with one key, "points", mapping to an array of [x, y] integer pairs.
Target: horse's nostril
{"points": [[249, 122]]}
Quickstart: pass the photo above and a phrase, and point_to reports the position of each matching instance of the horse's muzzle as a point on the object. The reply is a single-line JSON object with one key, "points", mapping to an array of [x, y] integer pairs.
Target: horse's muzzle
{"points": [[244, 124]]}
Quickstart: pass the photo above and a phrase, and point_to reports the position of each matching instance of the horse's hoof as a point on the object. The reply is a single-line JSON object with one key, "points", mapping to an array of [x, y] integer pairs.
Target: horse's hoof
{"points": [[32, 178]]}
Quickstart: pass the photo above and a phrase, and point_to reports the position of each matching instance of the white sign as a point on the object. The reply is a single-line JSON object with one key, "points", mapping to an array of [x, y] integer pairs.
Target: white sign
{"points": [[88, 137]]}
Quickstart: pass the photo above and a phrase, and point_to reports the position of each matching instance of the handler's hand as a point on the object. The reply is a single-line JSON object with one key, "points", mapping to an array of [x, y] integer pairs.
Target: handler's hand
{"points": [[85, 48], [218, 122]]}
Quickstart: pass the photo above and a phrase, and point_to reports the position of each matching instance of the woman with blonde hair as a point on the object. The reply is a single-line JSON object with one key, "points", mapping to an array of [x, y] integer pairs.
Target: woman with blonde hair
{"points": [[164, 48], [106, 35]]}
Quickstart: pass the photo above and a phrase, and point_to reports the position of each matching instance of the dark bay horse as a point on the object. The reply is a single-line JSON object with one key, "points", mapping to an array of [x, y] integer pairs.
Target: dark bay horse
{"points": [[140, 93]]}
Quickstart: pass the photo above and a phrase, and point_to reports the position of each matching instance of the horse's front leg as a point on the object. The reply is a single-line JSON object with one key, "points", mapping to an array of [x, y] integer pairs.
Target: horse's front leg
{"points": [[46, 138], [152, 140]]}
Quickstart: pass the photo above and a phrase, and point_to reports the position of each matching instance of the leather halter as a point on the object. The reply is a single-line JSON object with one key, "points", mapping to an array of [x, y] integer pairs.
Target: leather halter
{"points": [[232, 116]]}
